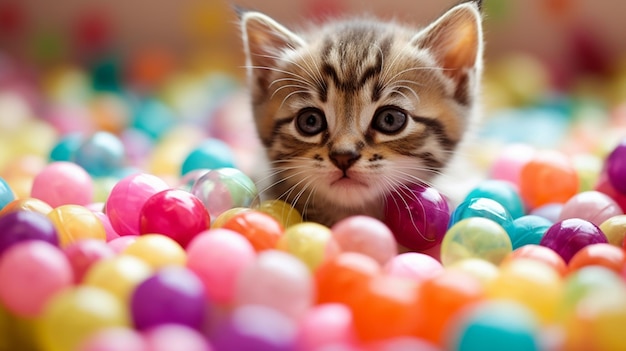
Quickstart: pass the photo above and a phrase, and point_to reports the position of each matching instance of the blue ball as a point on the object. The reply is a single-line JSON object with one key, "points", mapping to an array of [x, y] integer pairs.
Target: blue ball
{"points": [[154, 118], [528, 230], [496, 326], [485, 208], [210, 154], [66, 147], [501, 191], [101, 155], [6, 194]]}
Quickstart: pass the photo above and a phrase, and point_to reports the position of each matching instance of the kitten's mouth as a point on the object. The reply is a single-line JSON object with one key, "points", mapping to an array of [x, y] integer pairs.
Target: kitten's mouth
{"points": [[346, 181]]}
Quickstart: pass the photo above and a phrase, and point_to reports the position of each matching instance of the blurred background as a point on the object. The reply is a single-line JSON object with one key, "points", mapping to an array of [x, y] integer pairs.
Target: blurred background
{"points": [[163, 75]]}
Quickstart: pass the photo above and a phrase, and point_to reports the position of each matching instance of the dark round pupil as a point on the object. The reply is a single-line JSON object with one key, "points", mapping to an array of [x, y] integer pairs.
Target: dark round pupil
{"points": [[389, 119], [311, 121]]}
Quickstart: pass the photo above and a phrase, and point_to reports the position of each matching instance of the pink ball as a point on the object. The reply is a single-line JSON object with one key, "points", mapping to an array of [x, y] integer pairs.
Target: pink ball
{"points": [[326, 325], [509, 163], [217, 256], [592, 206], [31, 272], [63, 183], [174, 213], [84, 253], [277, 280], [114, 339], [175, 337], [120, 244], [366, 235], [108, 228], [127, 198], [413, 265]]}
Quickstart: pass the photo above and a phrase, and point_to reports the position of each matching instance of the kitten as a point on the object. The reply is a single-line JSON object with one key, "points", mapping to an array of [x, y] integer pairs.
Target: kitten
{"points": [[356, 109]]}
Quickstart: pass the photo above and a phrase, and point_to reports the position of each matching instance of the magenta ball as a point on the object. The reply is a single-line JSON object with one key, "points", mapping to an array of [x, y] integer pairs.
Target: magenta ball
{"points": [[593, 206], [83, 254], [175, 337], [413, 265], [568, 236], [254, 327], [126, 199], [20, 226], [616, 167], [173, 295], [63, 183], [366, 235], [418, 217], [31, 272], [176, 214]]}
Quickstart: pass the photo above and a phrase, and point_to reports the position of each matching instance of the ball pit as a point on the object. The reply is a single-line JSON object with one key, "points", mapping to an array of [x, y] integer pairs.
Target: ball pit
{"points": [[132, 229]]}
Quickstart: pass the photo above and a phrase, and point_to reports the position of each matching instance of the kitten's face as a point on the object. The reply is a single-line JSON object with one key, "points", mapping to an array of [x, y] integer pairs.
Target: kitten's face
{"points": [[357, 109]]}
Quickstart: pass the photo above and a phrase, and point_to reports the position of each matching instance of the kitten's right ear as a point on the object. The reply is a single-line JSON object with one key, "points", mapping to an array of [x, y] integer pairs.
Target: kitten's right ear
{"points": [[265, 39]]}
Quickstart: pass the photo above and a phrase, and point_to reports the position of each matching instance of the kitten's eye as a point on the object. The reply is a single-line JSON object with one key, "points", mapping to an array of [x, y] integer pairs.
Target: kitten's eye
{"points": [[389, 120], [311, 121]]}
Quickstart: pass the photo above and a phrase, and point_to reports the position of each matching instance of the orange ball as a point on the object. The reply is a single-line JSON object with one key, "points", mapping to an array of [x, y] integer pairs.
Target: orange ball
{"points": [[345, 277], [440, 298], [26, 204], [262, 230], [549, 177], [538, 253], [606, 255]]}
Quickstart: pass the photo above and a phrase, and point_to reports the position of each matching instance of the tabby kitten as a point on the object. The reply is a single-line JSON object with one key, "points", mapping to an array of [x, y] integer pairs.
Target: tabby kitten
{"points": [[356, 109]]}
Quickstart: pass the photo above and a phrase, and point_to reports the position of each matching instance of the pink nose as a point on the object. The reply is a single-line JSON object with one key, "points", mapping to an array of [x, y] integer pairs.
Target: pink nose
{"points": [[345, 159]]}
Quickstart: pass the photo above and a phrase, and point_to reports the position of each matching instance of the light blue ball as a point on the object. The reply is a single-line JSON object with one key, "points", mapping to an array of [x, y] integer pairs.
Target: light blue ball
{"points": [[6, 194], [482, 207], [528, 230], [210, 154], [101, 155], [66, 147], [154, 118], [501, 191]]}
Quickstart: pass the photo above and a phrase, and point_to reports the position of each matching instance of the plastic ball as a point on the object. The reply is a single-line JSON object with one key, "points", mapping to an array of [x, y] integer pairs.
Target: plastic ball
{"points": [[326, 325], [504, 192], [31, 272], [6, 194], [156, 250], [127, 198], [217, 257], [114, 339], [413, 265], [227, 215], [106, 223], [604, 186], [277, 280], [538, 253], [101, 154], [418, 218], [616, 167], [118, 275], [549, 177], [66, 147], [258, 328], [74, 223], [615, 229], [175, 337], [174, 213], [190, 178], [567, 237], [311, 242], [26, 204], [261, 229], [587, 282], [483, 271], [281, 211], [527, 230], [210, 154], [484, 208], [154, 118], [171, 295], [550, 212], [605, 255], [344, 278], [74, 314], [506, 325], [83, 254], [224, 188], [365, 235], [62, 183], [592, 206], [475, 237], [508, 164], [20, 226]]}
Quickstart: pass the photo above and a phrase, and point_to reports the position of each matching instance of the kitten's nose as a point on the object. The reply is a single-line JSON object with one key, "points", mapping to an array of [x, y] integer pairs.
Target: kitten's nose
{"points": [[344, 159]]}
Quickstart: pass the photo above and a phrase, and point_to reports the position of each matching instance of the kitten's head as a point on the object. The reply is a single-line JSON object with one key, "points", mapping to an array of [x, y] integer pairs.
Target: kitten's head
{"points": [[353, 110]]}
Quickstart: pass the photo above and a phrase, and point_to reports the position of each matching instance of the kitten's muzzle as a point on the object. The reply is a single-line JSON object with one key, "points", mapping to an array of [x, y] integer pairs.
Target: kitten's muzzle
{"points": [[344, 159]]}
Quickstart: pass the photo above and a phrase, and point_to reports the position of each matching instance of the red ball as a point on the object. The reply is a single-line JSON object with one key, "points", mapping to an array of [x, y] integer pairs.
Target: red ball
{"points": [[176, 214]]}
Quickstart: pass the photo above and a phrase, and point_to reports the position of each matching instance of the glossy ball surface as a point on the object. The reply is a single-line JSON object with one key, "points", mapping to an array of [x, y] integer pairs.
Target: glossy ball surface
{"points": [[281, 211], [538, 253], [418, 218], [484, 208], [527, 230], [83, 254], [224, 188], [606, 255], [413, 265], [210, 154], [262, 230], [173, 337], [20, 226], [310, 242], [156, 250], [504, 192], [592, 206], [549, 177], [365, 235], [75, 223], [6, 194], [475, 237], [615, 230], [567, 237], [101, 154], [62, 183], [174, 213], [616, 167], [118, 275]]}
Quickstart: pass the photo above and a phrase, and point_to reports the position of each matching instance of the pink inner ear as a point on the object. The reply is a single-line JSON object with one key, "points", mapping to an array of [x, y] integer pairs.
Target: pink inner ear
{"points": [[462, 49]]}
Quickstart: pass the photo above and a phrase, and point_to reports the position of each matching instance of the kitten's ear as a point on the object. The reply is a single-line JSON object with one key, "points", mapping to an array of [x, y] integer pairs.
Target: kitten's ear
{"points": [[455, 39], [265, 39]]}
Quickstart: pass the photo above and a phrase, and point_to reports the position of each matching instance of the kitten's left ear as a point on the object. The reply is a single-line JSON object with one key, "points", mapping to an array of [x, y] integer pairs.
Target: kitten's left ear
{"points": [[455, 39]]}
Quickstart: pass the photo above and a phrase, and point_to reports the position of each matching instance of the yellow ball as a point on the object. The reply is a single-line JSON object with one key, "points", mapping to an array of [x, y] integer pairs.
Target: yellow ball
{"points": [[118, 275], [220, 220], [27, 204], [484, 271], [281, 211], [157, 251], [615, 230], [74, 314], [74, 223], [311, 242]]}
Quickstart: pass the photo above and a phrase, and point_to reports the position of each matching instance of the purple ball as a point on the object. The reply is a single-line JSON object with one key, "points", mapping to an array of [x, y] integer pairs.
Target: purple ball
{"points": [[568, 236], [616, 167], [255, 328], [19, 226], [418, 217], [174, 295]]}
